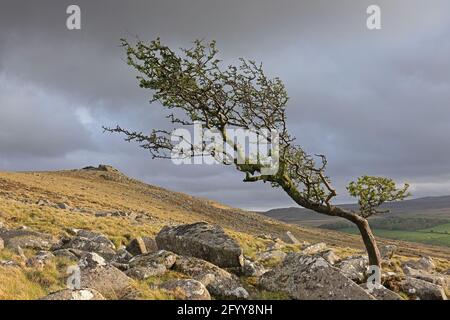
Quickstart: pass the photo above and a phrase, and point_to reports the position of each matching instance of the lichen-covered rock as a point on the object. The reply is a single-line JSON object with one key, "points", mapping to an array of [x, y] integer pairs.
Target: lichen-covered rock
{"points": [[40, 260], [203, 241], [108, 280], [97, 274], [439, 279], [187, 289], [220, 283], [271, 255], [381, 293], [142, 245], [81, 294], [85, 240], [292, 238], [306, 277], [388, 251], [354, 267], [72, 254], [423, 290], [252, 269], [122, 256], [315, 248], [330, 257], [9, 264], [424, 263], [26, 238], [151, 264], [91, 260]]}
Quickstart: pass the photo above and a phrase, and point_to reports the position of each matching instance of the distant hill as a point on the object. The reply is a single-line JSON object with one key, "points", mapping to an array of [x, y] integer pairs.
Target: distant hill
{"points": [[425, 220], [431, 207]]}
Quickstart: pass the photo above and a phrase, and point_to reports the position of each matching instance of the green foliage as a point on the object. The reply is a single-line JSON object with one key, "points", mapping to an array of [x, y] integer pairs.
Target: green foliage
{"points": [[372, 192]]}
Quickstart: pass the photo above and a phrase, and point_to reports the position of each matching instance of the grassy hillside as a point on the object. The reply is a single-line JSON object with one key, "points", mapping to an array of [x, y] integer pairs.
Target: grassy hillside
{"points": [[122, 208], [89, 193]]}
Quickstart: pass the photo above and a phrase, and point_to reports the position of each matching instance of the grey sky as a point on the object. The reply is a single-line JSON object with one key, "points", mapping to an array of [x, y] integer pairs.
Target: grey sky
{"points": [[376, 102]]}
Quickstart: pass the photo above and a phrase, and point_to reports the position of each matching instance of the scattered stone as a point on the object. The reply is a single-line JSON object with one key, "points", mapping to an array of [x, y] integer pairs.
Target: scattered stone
{"points": [[203, 241], [354, 267], [26, 238], [137, 246], [40, 260], [68, 294], [9, 263], [111, 214], [95, 273], [121, 266], [90, 242], [122, 256], [315, 248], [91, 260], [330, 257], [102, 167], [62, 205], [187, 289], [150, 244], [292, 238], [424, 264], [266, 237], [2, 244], [438, 279], [306, 277], [220, 283], [43, 202], [275, 246], [72, 254], [21, 253], [272, 255], [388, 251], [252, 269], [381, 293], [423, 290], [151, 264]]}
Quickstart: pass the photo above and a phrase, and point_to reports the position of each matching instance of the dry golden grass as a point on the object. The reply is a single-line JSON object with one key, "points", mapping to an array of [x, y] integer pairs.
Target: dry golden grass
{"points": [[87, 192]]}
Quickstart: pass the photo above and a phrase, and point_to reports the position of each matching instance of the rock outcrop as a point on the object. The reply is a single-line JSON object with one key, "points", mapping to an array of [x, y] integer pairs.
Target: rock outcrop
{"points": [[354, 267], [203, 241], [88, 241], [97, 274], [81, 294], [219, 282], [142, 245], [151, 264], [306, 277], [187, 289], [382, 293], [26, 238], [423, 290]]}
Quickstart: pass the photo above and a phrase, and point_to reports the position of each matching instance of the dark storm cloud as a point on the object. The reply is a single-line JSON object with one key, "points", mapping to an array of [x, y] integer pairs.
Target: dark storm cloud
{"points": [[375, 102]]}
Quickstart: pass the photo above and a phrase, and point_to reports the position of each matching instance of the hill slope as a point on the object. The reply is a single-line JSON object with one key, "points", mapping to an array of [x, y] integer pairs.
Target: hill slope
{"points": [[106, 200]]}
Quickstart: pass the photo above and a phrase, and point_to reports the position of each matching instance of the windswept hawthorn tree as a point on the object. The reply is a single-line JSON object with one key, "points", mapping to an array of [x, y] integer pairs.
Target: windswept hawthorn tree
{"points": [[194, 82]]}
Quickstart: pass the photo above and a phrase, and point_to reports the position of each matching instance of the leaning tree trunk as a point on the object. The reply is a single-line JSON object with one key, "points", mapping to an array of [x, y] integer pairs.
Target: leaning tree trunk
{"points": [[362, 223], [369, 242]]}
